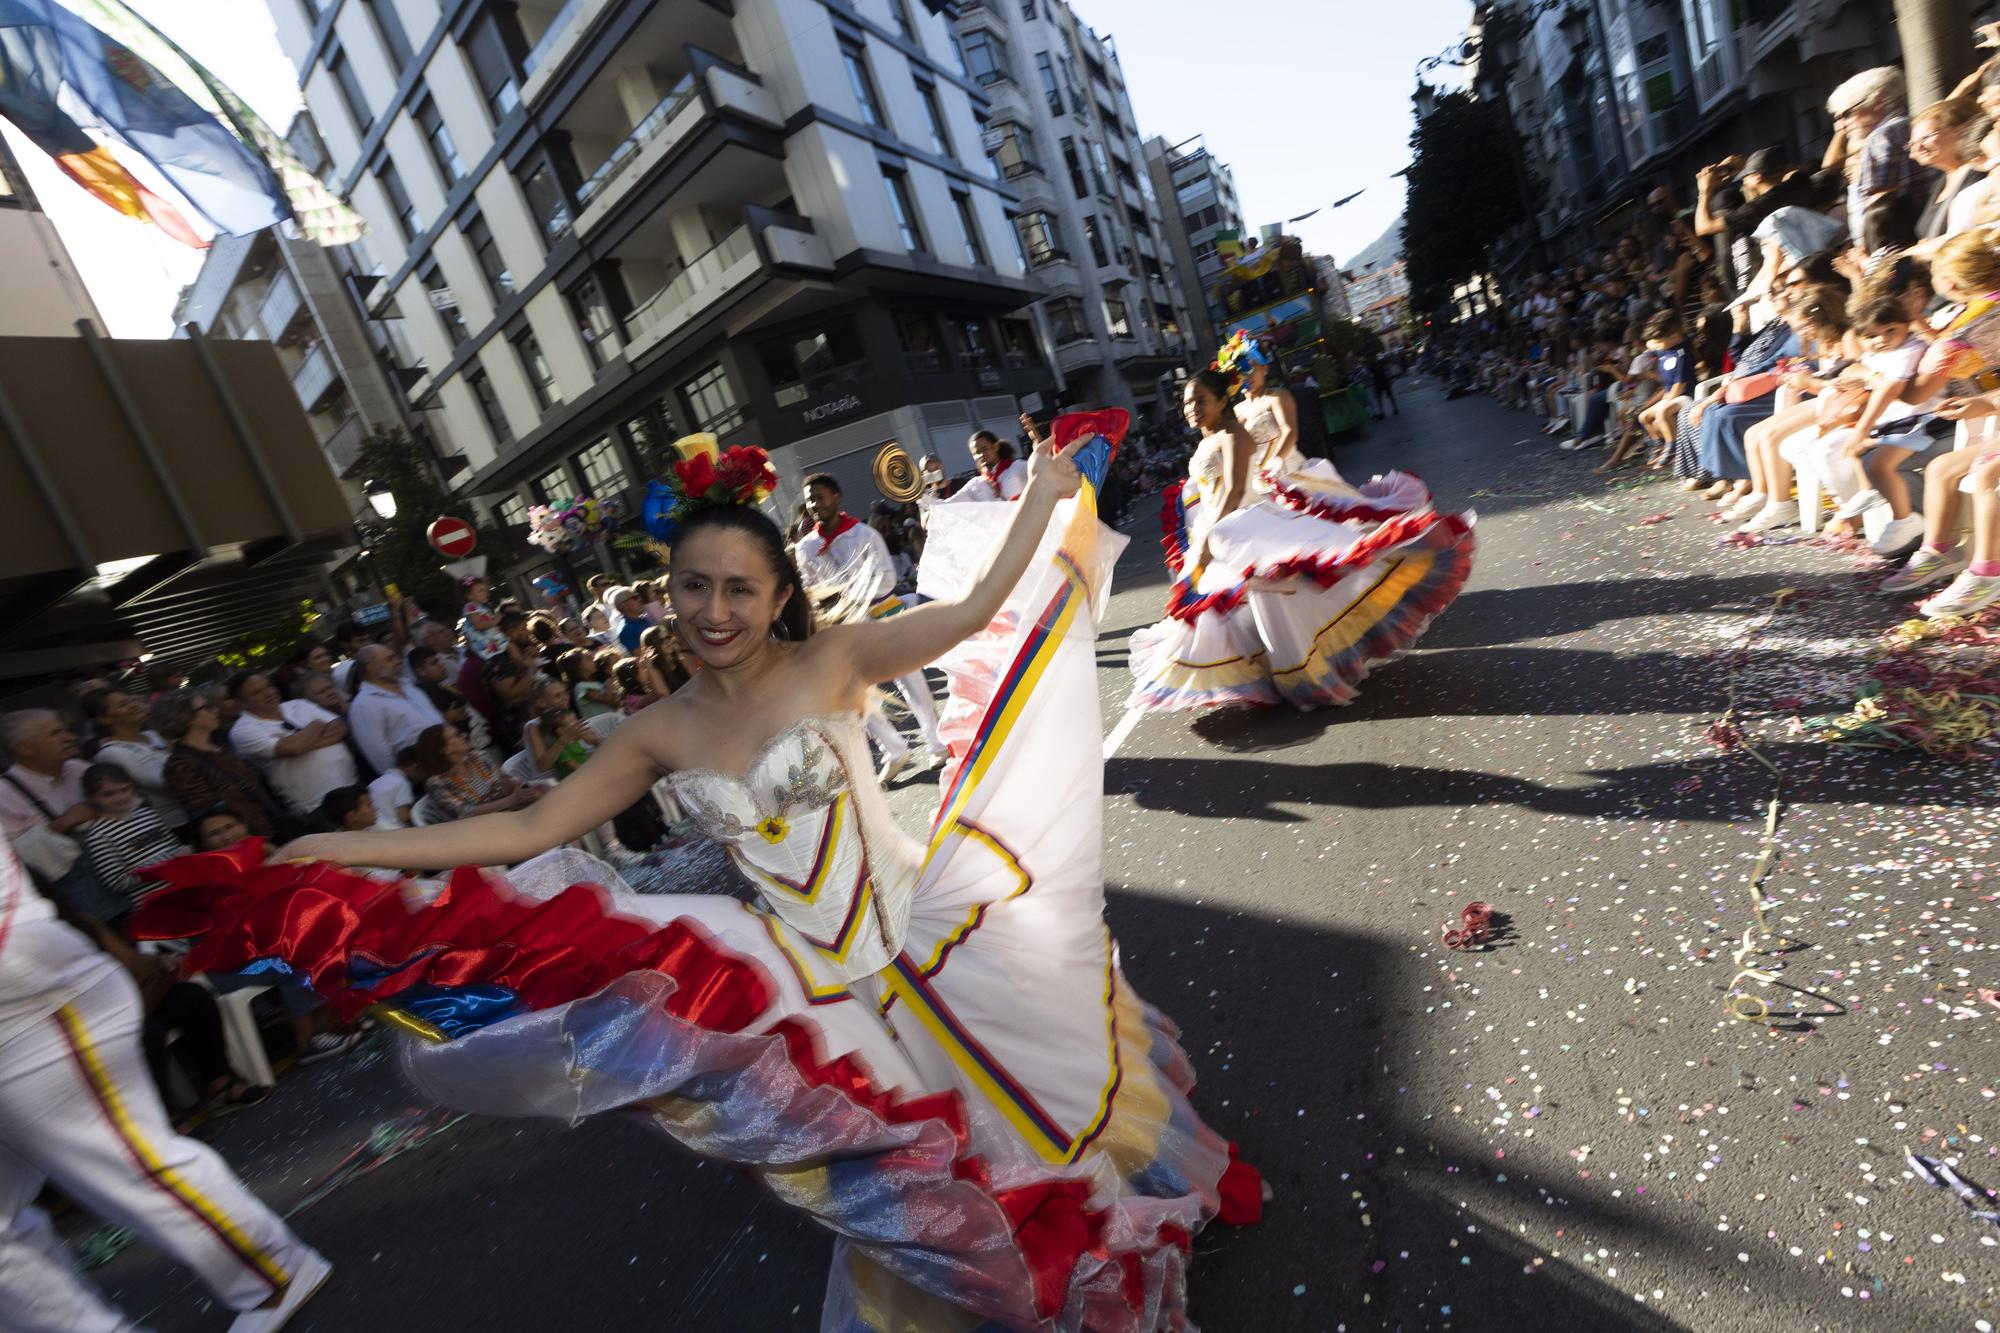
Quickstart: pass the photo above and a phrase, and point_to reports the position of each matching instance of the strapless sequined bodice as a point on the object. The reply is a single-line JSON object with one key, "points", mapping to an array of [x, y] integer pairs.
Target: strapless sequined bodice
{"points": [[815, 843]]}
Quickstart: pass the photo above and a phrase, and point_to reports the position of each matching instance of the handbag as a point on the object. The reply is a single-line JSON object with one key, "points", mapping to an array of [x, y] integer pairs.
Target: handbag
{"points": [[1748, 388], [43, 850]]}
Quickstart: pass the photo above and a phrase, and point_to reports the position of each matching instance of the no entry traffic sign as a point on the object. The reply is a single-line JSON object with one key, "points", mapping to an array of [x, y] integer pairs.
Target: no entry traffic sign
{"points": [[452, 537]]}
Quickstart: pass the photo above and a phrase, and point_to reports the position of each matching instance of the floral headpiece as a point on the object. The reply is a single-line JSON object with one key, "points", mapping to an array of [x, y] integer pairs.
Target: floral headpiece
{"points": [[705, 478], [1241, 352]]}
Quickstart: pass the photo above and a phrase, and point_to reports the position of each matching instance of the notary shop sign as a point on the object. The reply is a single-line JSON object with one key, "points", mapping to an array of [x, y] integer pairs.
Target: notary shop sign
{"points": [[814, 413]]}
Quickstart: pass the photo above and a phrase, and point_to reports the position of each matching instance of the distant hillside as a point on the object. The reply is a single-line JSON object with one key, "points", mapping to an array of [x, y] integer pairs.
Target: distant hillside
{"points": [[1386, 248]]}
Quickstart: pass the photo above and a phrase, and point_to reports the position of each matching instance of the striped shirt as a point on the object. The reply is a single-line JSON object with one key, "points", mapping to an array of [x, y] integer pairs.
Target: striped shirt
{"points": [[118, 845]]}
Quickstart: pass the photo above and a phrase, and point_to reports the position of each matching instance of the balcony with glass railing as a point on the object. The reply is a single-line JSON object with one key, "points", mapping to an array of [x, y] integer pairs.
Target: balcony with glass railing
{"points": [[703, 281]]}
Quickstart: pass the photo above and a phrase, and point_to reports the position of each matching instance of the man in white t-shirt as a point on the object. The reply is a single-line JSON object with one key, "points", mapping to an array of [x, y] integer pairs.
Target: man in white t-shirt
{"points": [[78, 1107], [301, 747], [840, 551]]}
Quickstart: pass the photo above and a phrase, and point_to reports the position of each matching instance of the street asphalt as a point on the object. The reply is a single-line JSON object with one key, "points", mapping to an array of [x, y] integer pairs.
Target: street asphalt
{"points": [[1565, 1129]]}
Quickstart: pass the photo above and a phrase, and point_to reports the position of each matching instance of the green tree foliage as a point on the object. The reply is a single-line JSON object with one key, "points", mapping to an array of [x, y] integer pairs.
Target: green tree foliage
{"points": [[1463, 195], [273, 644], [401, 551]]}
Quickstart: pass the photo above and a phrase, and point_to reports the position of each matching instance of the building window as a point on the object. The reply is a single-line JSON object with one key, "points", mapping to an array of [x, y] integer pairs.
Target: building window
{"points": [[863, 83], [443, 151], [1066, 321], [985, 57], [444, 301], [1038, 238], [922, 346], [989, 140], [555, 485], [1100, 168], [548, 200], [1015, 153], [489, 405], [394, 39], [1075, 165], [968, 225], [1118, 322], [1093, 234], [595, 323], [342, 70], [407, 217], [512, 512], [1027, 9], [905, 210], [934, 117], [1020, 246], [978, 354], [1047, 70], [603, 474], [541, 380], [492, 50], [711, 403], [805, 367], [901, 10], [1017, 343], [480, 237]]}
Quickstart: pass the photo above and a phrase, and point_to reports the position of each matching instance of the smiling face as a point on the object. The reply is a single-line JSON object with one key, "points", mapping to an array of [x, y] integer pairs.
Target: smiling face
{"points": [[725, 595], [985, 450], [1200, 406], [122, 710], [822, 502]]}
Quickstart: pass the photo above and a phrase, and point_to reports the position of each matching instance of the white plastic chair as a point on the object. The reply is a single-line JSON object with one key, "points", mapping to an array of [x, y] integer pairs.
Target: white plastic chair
{"points": [[521, 768], [241, 1040], [425, 811]]}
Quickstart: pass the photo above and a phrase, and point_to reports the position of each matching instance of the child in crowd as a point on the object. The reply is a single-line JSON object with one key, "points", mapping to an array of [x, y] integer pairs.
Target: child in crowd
{"points": [[590, 692], [479, 625], [1869, 431], [558, 742], [395, 792], [1639, 388], [125, 834], [348, 809], [1674, 364], [632, 690]]}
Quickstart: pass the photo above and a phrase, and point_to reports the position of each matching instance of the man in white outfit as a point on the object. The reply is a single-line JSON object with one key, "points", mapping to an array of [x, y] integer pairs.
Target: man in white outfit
{"points": [[840, 550], [78, 1107]]}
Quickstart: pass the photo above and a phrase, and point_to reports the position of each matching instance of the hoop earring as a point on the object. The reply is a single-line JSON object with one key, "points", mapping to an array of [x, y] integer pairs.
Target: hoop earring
{"points": [[780, 630]]}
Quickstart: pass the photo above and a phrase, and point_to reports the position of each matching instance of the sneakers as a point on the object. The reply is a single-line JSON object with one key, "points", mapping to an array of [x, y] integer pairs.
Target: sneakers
{"points": [[1775, 514], [313, 1271], [325, 1046], [1926, 567], [1968, 593], [1586, 442], [1858, 504], [1899, 536], [1745, 505]]}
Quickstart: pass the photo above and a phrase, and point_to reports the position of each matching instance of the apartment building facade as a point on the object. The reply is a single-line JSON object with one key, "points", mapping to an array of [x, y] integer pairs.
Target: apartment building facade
{"points": [[1612, 97], [1093, 226], [300, 297], [597, 226], [1198, 193]]}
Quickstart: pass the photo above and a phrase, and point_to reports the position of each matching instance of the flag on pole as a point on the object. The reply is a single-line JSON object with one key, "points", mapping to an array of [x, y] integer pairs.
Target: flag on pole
{"points": [[321, 214], [100, 86]]}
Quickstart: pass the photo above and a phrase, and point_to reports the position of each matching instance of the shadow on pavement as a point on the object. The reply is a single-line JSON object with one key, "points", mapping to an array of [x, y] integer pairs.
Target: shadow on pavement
{"points": [[1487, 616]]}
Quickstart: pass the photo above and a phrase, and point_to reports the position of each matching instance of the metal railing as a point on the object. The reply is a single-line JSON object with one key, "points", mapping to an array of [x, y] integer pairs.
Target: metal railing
{"points": [[550, 36], [643, 133], [699, 275], [279, 307]]}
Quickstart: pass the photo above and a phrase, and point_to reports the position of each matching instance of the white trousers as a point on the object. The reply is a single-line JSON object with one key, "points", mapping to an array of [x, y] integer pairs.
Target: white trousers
{"points": [[916, 692], [78, 1107]]}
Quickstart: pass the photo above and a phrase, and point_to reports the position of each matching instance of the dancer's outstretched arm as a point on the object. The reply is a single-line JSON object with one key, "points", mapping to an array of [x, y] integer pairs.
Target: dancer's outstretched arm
{"points": [[619, 773], [883, 650]]}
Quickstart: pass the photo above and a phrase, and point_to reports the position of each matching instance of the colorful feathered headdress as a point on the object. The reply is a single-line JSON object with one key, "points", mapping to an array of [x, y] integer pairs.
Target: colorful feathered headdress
{"points": [[706, 478], [1241, 352]]}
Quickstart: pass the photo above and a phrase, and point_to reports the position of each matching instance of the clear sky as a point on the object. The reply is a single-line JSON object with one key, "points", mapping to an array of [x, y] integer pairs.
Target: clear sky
{"points": [[1307, 100]]}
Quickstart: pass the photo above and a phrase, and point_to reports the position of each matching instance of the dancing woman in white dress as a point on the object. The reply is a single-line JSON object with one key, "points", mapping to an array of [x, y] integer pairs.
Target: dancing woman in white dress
{"points": [[929, 1046], [1291, 584]]}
